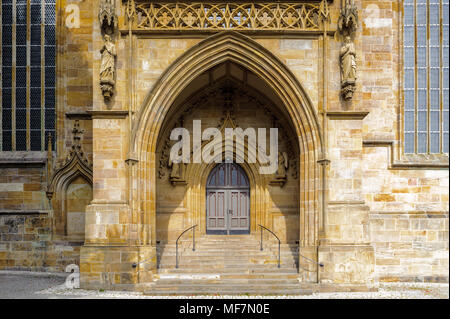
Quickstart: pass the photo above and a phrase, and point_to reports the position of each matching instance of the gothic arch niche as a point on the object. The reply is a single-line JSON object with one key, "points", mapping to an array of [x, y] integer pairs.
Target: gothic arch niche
{"points": [[70, 191], [77, 196], [282, 84]]}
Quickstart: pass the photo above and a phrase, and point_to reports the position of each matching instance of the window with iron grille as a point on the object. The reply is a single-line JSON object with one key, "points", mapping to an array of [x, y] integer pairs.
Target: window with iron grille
{"points": [[425, 83], [28, 54]]}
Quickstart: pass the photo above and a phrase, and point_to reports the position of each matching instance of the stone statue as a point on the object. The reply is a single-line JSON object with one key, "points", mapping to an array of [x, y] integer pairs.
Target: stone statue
{"points": [[347, 57], [175, 170], [280, 176], [282, 165], [108, 66], [176, 175]]}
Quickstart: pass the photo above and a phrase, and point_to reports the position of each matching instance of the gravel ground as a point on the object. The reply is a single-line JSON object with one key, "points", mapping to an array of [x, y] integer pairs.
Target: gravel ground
{"points": [[51, 286]]}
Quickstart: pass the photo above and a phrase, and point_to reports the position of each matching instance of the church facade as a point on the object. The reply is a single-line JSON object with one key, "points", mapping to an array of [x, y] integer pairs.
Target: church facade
{"points": [[356, 91]]}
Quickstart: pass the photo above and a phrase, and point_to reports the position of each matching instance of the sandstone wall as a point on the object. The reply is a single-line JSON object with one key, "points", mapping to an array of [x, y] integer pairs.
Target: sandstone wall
{"points": [[26, 244]]}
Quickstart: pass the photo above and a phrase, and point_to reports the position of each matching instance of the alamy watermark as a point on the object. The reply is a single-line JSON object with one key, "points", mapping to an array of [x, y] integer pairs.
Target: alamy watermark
{"points": [[256, 150], [73, 280]]}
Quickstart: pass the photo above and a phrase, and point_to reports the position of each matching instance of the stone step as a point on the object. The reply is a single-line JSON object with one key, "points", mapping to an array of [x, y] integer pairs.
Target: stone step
{"points": [[238, 269], [227, 276], [218, 252], [226, 243], [216, 255], [212, 265], [229, 257], [224, 286], [240, 263], [226, 263], [229, 292], [223, 252], [228, 281], [233, 289]]}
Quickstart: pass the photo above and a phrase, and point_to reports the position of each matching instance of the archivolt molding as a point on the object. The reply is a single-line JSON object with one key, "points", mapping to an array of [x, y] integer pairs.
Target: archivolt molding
{"points": [[75, 164], [148, 15]]}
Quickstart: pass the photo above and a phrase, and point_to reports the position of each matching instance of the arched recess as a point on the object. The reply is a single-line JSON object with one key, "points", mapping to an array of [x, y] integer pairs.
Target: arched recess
{"points": [[75, 170], [242, 50]]}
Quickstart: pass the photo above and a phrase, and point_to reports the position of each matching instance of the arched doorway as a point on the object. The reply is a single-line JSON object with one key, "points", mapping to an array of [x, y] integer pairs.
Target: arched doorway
{"points": [[184, 205], [227, 200]]}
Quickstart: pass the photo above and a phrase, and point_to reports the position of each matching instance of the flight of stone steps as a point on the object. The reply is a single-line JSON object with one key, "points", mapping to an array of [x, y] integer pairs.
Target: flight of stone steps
{"points": [[227, 265]]}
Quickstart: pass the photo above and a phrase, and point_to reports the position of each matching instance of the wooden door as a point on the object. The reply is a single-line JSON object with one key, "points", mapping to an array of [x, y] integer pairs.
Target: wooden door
{"points": [[227, 200]]}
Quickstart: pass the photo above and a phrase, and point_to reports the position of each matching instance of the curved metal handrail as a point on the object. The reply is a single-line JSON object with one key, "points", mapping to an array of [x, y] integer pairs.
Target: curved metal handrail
{"points": [[313, 261], [176, 243], [279, 241]]}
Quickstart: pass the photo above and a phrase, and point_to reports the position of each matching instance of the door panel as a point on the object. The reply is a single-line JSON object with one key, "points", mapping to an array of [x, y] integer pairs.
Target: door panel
{"points": [[228, 200], [217, 210]]}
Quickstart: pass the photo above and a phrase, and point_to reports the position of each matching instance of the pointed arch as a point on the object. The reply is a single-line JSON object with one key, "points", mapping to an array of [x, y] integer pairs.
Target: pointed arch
{"points": [[244, 51]]}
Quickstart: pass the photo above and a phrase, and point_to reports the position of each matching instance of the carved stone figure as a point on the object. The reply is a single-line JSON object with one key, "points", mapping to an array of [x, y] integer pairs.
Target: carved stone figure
{"points": [[347, 25], [176, 176], [280, 175], [175, 170], [347, 57], [282, 165], [107, 68]]}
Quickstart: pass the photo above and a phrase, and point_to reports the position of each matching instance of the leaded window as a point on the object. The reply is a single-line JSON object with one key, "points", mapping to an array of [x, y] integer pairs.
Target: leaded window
{"points": [[28, 54], [425, 83]]}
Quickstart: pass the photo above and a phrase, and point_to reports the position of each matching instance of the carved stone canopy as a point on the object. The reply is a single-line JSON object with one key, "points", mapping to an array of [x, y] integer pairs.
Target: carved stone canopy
{"points": [[107, 16], [75, 164], [348, 18]]}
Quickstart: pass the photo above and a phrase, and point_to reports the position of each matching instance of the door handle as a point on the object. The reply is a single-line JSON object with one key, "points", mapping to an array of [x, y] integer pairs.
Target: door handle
{"points": [[230, 211]]}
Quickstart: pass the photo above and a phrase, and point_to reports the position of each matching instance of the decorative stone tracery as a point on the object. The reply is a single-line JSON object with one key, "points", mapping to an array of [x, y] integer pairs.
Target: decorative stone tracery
{"points": [[229, 16]]}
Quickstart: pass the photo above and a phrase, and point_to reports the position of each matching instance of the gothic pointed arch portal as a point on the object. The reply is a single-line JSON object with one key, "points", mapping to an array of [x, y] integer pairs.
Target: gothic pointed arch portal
{"points": [[294, 104]]}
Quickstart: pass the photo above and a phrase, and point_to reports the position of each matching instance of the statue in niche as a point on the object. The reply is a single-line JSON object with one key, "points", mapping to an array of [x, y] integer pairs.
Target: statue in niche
{"points": [[107, 69], [176, 176], [280, 175], [347, 56]]}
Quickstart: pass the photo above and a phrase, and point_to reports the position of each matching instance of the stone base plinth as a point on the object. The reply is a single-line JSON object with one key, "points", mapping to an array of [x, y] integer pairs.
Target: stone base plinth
{"points": [[347, 264], [116, 267]]}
